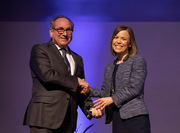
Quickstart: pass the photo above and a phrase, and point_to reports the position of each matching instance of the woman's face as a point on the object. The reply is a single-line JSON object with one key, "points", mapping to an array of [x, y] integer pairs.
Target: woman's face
{"points": [[121, 42]]}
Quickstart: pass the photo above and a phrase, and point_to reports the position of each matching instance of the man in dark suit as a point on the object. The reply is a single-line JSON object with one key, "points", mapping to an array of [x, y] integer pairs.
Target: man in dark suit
{"points": [[58, 83]]}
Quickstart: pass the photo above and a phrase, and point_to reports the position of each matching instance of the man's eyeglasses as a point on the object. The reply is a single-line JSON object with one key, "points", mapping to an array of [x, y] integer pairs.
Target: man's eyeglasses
{"points": [[61, 30]]}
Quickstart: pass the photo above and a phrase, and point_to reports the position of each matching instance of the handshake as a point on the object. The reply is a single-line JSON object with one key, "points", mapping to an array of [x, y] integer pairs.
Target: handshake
{"points": [[84, 89], [83, 86]]}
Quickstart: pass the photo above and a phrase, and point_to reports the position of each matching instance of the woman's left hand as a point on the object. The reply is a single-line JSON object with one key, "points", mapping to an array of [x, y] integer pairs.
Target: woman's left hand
{"points": [[102, 102]]}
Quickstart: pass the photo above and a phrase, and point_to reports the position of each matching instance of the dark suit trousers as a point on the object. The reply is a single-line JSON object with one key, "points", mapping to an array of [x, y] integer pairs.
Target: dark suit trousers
{"points": [[138, 124], [44, 130], [66, 127]]}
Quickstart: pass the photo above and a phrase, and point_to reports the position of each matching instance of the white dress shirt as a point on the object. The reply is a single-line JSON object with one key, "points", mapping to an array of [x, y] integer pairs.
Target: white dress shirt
{"points": [[70, 59]]}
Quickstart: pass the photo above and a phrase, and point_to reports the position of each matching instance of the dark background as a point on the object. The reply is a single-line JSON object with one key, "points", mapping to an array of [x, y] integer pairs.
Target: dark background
{"points": [[156, 25]]}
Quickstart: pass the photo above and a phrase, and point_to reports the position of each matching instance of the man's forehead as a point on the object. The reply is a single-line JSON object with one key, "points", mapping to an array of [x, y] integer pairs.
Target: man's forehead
{"points": [[62, 22]]}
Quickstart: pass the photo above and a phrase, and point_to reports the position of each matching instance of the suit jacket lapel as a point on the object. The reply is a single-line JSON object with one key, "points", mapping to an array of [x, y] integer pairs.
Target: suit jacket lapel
{"points": [[55, 51]]}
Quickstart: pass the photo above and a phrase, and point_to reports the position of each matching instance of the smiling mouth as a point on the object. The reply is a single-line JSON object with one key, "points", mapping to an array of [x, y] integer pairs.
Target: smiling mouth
{"points": [[118, 46], [63, 38]]}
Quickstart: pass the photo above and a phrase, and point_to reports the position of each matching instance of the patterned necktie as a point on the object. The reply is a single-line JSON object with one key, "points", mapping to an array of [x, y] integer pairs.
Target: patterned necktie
{"points": [[65, 58]]}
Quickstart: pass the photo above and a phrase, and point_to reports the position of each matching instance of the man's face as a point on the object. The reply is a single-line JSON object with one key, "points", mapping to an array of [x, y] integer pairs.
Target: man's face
{"points": [[62, 33]]}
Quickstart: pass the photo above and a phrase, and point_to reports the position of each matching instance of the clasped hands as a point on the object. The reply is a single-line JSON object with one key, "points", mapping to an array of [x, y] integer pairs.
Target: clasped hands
{"points": [[99, 103], [83, 86], [83, 89]]}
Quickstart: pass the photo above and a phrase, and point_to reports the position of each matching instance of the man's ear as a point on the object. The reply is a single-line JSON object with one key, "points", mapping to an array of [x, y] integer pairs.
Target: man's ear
{"points": [[51, 32]]}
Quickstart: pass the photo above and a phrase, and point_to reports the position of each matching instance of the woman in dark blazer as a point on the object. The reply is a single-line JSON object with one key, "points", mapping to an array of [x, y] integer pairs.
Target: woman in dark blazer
{"points": [[122, 90]]}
